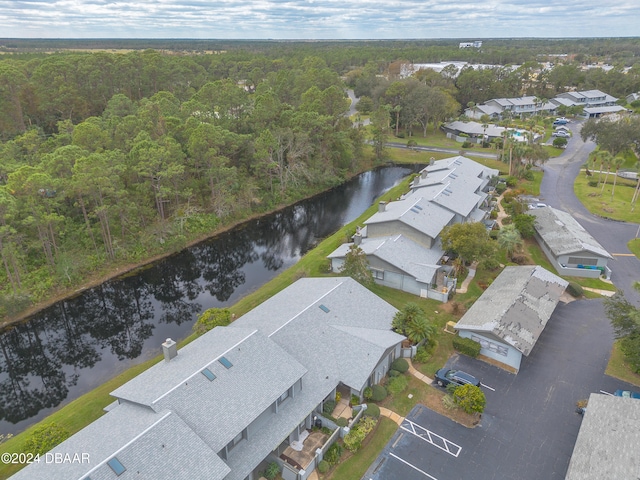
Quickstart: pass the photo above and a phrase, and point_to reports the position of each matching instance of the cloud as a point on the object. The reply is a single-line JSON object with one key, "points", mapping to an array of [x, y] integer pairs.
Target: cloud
{"points": [[309, 19]]}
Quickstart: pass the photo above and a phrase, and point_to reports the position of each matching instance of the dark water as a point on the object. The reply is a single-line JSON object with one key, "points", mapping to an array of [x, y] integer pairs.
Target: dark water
{"points": [[79, 343]]}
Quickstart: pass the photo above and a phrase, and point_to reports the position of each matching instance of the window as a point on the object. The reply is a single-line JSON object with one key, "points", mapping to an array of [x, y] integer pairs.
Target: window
{"points": [[116, 466], [226, 363], [283, 397], [324, 309], [377, 274], [238, 438], [209, 374], [582, 261], [492, 347]]}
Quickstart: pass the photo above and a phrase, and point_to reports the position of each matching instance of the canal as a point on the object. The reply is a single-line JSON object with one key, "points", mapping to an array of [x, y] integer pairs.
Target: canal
{"points": [[79, 343]]}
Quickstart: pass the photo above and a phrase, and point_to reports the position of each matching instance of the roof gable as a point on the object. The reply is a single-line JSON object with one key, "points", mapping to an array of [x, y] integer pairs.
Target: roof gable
{"points": [[516, 306], [563, 234]]}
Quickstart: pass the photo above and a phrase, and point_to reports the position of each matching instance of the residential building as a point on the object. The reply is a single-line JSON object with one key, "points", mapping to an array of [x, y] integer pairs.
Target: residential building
{"points": [[476, 44], [514, 107], [607, 443], [587, 98], [472, 131], [632, 97], [510, 315], [568, 246], [240, 396], [401, 240]]}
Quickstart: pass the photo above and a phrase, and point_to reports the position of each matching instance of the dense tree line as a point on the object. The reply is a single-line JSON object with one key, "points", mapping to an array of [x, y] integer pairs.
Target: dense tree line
{"points": [[109, 167], [109, 158]]}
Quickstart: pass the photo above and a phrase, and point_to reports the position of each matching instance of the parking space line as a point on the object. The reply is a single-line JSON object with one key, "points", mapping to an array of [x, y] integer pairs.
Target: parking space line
{"points": [[432, 438], [414, 467], [488, 387]]}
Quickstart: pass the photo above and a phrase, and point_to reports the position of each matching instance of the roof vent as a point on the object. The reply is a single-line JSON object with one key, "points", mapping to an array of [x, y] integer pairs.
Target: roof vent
{"points": [[169, 349], [382, 206]]}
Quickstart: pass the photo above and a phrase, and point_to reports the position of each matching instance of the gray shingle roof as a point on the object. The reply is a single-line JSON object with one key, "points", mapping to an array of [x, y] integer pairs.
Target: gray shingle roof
{"points": [[218, 410], [401, 252], [516, 306], [416, 212], [607, 444], [160, 444], [563, 234], [475, 128], [293, 318]]}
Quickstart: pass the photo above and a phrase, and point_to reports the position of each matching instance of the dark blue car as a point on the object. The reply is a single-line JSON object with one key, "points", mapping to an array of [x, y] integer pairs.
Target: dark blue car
{"points": [[445, 376]]}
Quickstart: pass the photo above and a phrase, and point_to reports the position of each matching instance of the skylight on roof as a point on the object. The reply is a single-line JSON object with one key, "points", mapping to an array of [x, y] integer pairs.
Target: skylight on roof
{"points": [[209, 374], [116, 466], [418, 207], [324, 309], [226, 363], [414, 210]]}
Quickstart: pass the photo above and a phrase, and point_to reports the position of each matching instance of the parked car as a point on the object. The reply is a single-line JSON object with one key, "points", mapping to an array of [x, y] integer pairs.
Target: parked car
{"points": [[561, 134], [560, 121], [626, 394], [533, 206], [445, 376]]}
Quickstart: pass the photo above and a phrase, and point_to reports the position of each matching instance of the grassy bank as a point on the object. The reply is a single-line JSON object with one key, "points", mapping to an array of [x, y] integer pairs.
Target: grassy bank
{"points": [[601, 202]]}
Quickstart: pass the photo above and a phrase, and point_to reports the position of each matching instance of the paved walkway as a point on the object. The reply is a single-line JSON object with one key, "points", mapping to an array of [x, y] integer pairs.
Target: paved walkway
{"points": [[467, 281], [419, 375], [392, 415], [605, 293]]}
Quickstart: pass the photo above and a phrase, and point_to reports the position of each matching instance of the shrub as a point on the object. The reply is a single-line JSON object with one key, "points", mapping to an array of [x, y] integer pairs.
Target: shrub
{"points": [[466, 346], [342, 422], [367, 393], [46, 437], [271, 471], [528, 175], [593, 183], [323, 466], [575, 290], [519, 258], [467, 144], [379, 393], [209, 319], [353, 439], [334, 452], [401, 365], [373, 410], [394, 373], [355, 400], [397, 384], [470, 398], [329, 406], [500, 188], [511, 181], [338, 397]]}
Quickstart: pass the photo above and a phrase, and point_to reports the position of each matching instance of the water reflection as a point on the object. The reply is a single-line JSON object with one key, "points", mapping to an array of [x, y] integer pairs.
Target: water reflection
{"points": [[81, 342]]}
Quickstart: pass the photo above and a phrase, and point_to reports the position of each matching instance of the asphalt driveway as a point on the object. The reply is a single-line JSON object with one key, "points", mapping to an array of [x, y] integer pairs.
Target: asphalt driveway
{"points": [[529, 426]]}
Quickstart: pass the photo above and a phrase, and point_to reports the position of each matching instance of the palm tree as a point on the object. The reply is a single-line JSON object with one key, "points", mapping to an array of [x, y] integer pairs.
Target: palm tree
{"points": [[606, 159], [617, 163], [412, 322], [510, 239]]}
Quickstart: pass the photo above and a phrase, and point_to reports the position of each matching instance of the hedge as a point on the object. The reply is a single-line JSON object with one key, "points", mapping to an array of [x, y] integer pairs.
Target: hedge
{"points": [[575, 290], [466, 346], [401, 365], [373, 410], [379, 393]]}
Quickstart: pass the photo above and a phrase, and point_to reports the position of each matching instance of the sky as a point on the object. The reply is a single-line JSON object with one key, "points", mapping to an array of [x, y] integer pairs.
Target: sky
{"points": [[318, 19]]}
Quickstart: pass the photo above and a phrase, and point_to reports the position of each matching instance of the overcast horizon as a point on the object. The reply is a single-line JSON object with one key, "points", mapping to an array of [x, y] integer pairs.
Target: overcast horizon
{"points": [[318, 19]]}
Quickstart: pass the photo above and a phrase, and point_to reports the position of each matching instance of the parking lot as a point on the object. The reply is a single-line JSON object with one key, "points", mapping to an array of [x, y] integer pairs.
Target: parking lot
{"points": [[529, 426]]}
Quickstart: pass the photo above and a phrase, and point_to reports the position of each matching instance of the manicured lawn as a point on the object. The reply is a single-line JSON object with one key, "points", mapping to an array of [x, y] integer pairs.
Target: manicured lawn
{"points": [[619, 369], [634, 246], [600, 202], [355, 466]]}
